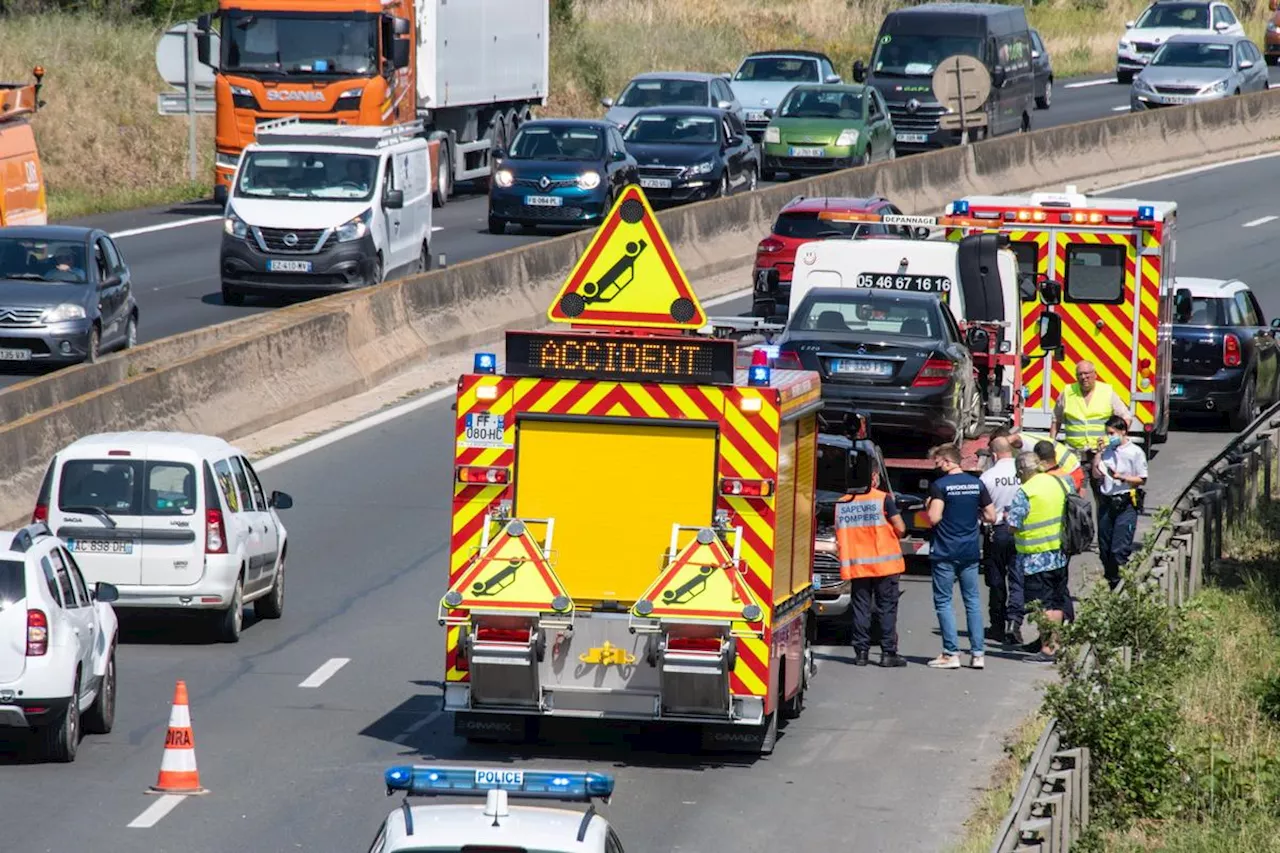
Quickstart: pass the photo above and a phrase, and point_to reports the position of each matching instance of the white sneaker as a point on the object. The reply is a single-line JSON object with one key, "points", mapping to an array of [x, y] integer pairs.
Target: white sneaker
{"points": [[945, 661], [978, 661]]}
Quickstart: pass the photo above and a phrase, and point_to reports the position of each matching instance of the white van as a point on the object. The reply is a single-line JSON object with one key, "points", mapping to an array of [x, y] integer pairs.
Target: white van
{"points": [[316, 207], [172, 520]]}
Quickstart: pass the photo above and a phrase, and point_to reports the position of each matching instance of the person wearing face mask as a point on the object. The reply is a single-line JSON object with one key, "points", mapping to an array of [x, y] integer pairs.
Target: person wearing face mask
{"points": [[1120, 468]]}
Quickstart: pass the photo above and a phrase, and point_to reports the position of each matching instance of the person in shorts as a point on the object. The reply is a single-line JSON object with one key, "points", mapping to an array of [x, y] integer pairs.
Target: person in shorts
{"points": [[1036, 518]]}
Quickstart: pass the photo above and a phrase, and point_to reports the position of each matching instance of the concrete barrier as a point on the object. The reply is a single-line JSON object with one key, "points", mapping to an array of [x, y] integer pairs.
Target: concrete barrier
{"points": [[241, 376]]}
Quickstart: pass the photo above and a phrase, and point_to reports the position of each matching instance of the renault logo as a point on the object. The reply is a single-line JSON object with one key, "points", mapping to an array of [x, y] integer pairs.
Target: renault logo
{"points": [[862, 349], [913, 105], [291, 239], [544, 182]]}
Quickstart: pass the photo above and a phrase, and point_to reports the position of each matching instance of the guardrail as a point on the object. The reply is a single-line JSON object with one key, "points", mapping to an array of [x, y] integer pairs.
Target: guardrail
{"points": [[1050, 809]]}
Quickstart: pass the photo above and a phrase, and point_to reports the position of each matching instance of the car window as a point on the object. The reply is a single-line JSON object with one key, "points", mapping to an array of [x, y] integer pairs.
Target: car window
{"points": [[50, 261], [1028, 255], [868, 311], [77, 579], [1205, 311], [1257, 309], [873, 108], [259, 499], [1247, 316], [13, 582], [1186, 16], [1234, 315], [102, 259], [824, 102], [739, 128], [1036, 44], [672, 129], [1095, 273], [557, 142], [778, 69], [227, 485], [114, 259], [171, 489], [51, 581], [1221, 14], [113, 486], [242, 484], [658, 92], [69, 600]]}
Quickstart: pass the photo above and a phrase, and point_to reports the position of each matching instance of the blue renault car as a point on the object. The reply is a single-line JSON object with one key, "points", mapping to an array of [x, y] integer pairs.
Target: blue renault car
{"points": [[563, 172]]}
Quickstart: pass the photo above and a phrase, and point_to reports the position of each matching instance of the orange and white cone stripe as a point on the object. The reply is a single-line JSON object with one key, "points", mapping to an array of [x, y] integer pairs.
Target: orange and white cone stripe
{"points": [[178, 772]]}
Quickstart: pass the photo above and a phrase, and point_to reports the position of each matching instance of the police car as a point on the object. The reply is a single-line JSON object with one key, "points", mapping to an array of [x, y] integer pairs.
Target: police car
{"points": [[496, 825]]}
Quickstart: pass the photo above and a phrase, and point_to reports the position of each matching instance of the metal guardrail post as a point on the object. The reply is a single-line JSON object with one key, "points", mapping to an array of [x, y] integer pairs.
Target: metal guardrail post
{"points": [[1036, 834], [1055, 808]]}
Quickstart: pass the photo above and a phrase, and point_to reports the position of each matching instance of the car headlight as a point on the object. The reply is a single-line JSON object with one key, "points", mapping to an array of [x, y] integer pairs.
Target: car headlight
{"points": [[226, 159], [1142, 85], [65, 311], [1124, 44], [704, 168], [356, 228], [504, 178], [588, 180], [848, 136], [234, 225], [772, 135], [1215, 88]]}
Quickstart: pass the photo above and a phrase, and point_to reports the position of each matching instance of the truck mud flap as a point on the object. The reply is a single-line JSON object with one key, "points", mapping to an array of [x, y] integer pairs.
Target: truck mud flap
{"points": [[494, 728], [755, 740]]}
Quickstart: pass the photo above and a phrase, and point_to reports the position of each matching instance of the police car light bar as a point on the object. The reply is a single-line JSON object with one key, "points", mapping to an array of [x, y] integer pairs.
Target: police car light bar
{"points": [[904, 219], [477, 782]]}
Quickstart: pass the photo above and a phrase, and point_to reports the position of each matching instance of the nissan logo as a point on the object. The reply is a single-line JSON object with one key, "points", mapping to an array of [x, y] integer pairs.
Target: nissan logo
{"points": [[544, 182], [913, 105], [291, 239], [294, 95]]}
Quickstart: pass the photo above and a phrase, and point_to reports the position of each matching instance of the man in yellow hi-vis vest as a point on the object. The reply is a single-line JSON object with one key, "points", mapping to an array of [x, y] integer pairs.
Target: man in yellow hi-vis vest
{"points": [[1036, 518], [1081, 411]]}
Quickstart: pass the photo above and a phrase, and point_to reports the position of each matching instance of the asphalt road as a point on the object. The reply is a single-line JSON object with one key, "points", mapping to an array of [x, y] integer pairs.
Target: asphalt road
{"points": [[173, 252], [891, 758]]}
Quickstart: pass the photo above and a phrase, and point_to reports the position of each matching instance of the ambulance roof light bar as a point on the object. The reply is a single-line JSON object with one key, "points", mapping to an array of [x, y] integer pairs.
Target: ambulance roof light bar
{"points": [[421, 781], [1144, 218]]}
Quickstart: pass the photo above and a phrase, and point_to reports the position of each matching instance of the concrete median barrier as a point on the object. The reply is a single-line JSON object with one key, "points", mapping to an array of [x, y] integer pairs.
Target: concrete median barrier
{"points": [[247, 374]]}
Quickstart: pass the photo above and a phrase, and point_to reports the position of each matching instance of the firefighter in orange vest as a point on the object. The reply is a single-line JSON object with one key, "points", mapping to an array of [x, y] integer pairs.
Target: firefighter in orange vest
{"points": [[868, 527]]}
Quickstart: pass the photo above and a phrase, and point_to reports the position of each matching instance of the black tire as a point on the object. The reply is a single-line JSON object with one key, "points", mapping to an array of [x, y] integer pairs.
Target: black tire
{"points": [[1271, 59], [725, 190], [424, 258], [271, 606], [101, 715], [1043, 102], [231, 621], [377, 273], [753, 179], [768, 175], [130, 333], [1248, 409], [769, 734], [231, 296], [60, 739], [793, 707], [444, 180], [977, 420], [1124, 77], [497, 226], [94, 347]]}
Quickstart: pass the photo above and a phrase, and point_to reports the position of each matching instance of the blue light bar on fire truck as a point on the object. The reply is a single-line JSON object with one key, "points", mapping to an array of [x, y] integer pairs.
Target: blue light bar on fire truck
{"points": [[479, 781], [485, 362]]}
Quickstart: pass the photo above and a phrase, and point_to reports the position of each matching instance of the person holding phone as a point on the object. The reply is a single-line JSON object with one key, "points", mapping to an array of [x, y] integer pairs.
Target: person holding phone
{"points": [[1120, 469]]}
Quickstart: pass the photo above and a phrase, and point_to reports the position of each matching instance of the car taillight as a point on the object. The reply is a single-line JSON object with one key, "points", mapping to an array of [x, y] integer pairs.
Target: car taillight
{"points": [[770, 246], [215, 532], [936, 372], [37, 633], [1230, 351], [40, 514], [788, 359]]}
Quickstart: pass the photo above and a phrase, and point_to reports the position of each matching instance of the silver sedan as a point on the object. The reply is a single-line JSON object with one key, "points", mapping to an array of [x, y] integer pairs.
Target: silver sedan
{"points": [[1190, 67]]}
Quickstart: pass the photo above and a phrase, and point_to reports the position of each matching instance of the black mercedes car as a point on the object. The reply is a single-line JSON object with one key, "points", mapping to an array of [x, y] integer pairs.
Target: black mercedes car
{"points": [[896, 358], [1224, 353], [691, 153]]}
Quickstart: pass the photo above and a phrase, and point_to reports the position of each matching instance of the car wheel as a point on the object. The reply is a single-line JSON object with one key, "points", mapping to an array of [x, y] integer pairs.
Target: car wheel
{"points": [[93, 351], [769, 737], [62, 736], [101, 715], [1044, 101], [231, 296], [974, 420], [131, 332], [272, 606], [767, 174], [1124, 77], [424, 258], [376, 274], [860, 160], [444, 180], [231, 620], [724, 185], [497, 226], [753, 180], [1248, 410], [893, 152]]}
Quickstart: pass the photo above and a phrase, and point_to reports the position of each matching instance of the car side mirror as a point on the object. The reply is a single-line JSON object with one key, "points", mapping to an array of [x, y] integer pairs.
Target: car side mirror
{"points": [[1128, 25], [1275, 323], [393, 199], [619, 156], [1182, 305], [1246, 64], [105, 592], [400, 26], [1035, 54], [400, 53], [977, 339], [1050, 329], [1050, 290], [733, 141], [204, 43], [998, 77], [280, 500], [1222, 26], [606, 102], [832, 79], [859, 71], [498, 154], [724, 105]]}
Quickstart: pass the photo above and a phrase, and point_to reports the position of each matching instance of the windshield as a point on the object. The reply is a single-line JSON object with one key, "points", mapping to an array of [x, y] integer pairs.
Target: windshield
{"points": [[569, 142], [306, 174], [778, 69], [1186, 16], [1193, 55], [911, 55], [867, 311], [116, 487], [821, 103], [292, 44], [52, 261], [664, 93], [660, 129]]}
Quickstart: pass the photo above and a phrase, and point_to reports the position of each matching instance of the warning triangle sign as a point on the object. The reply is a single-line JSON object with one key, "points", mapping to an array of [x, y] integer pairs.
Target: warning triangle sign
{"points": [[628, 276], [511, 574], [702, 582]]}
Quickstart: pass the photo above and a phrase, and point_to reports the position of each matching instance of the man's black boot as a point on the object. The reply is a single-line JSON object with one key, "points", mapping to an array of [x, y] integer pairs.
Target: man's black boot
{"points": [[861, 658], [1013, 634], [892, 659]]}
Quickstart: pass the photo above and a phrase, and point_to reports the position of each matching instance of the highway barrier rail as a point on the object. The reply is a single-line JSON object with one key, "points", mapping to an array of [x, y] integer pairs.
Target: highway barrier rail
{"points": [[1050, 808], [242, 376]]}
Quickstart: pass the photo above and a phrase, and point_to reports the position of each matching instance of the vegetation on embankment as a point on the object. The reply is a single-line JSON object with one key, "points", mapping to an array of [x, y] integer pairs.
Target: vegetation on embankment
{"points": [[104, 147]]}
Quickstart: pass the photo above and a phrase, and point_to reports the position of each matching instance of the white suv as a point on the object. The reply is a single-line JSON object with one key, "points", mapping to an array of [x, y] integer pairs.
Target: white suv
{"points": [[57, 643], [1165, 18], [176, 521]]}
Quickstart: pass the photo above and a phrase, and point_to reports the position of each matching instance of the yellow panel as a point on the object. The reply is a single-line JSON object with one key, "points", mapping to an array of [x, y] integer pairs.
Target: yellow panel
{"points": [[802, 548], [784, 507], [614, 490]]}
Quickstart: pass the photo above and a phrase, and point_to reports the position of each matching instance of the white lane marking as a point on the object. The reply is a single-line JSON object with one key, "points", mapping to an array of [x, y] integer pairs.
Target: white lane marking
{"points": [[156, 811], [1260, 221], [1123, 108], [1194, 170], [425, 721], [1102, 81], [326, 671], [435, 228], [182, 223]]}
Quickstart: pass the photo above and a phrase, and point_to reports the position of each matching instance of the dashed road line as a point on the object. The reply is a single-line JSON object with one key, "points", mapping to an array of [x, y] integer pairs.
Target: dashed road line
{"points": [[1123, 108], [165, 226], [1086, 83], [325, 672], [1260, 221], [155, 812]]}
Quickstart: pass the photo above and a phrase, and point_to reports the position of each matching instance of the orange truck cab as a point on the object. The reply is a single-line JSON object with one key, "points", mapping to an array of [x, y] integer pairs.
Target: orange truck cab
{"points": [[22, 194]]}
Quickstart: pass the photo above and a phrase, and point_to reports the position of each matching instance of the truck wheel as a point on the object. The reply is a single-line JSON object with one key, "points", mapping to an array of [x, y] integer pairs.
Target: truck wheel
{"points": [[769, 735], [444, 180], [61, 737], [101, 715]]}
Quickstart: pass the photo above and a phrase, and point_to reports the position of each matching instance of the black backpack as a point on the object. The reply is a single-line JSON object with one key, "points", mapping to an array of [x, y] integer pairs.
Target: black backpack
{"points": [[1077, 522]]}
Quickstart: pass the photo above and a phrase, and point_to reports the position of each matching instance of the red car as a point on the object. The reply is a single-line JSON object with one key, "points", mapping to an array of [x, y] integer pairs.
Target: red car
{"points": [[798, 223]]}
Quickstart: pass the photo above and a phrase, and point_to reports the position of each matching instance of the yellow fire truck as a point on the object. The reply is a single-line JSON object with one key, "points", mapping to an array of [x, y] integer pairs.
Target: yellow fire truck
{"points": [[633, 514], [1104, 266]]}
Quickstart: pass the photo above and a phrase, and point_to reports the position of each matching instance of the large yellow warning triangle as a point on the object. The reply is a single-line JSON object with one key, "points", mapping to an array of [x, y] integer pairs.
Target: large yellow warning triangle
{"points": [[628, 276], [702, 582], [511, 574]]}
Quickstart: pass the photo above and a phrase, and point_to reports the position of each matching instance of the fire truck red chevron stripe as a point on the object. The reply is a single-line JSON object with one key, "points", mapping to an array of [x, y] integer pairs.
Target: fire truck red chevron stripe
{"points": [[759, 666]]}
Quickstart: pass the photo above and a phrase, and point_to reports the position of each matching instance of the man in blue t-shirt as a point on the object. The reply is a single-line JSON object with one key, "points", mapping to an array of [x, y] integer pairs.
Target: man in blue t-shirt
{"points": [[956, 503]]}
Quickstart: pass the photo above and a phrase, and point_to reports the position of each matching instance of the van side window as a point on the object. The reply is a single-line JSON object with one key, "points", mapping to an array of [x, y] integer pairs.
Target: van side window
{"points": [[171, 489], [242, 482], [259, 501], [227, 485], [51, 581], [64, 581], [77, 579], [1095, 273]]}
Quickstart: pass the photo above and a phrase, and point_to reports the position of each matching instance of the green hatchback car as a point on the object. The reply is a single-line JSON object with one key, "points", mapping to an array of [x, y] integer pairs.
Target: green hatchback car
{"points": [[822, 128]]}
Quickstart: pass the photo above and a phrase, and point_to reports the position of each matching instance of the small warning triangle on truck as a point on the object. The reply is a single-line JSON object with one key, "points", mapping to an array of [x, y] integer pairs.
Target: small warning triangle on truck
{"points": [[511, 574], [628, 275], [702, 583]]}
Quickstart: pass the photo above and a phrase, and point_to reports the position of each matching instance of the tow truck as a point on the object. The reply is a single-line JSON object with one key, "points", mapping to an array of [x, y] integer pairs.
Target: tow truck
{"points": [[22, 192]]}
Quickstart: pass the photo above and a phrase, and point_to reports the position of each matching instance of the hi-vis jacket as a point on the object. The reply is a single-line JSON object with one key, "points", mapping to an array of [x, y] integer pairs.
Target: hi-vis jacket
{"points": [[1084, 422], [866, 541], [1041, 530]]}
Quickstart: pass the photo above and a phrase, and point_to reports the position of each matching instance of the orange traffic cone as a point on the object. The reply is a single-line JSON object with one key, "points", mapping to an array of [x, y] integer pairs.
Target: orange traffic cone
{"points": [[178, 773]]}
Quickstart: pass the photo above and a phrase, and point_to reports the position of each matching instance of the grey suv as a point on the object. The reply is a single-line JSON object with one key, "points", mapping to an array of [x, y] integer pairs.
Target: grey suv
{"points": [[66, 295]]}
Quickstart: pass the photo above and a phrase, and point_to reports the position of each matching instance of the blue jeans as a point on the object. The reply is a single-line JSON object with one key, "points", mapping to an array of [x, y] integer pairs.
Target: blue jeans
{"points": [[945, 573]]}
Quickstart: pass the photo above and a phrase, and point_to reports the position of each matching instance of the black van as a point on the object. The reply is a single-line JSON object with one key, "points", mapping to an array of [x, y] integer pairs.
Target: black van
{"points": [[914, 40]]}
